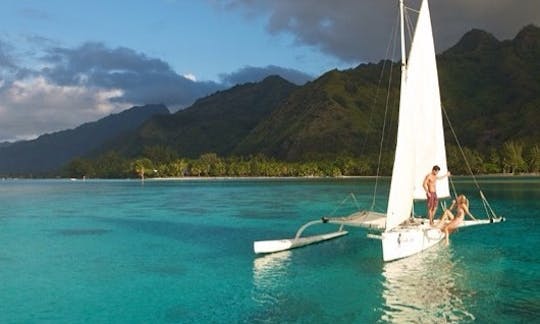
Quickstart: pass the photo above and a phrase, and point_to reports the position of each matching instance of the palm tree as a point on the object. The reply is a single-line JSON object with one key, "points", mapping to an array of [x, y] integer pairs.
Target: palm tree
{"points": [[512, 156], [141, 166], [534, 159]]}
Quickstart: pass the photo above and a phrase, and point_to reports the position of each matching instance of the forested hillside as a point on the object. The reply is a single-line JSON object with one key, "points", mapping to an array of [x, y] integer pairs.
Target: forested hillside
{"points": [[334, 124], [490, 90], [48, 153]]}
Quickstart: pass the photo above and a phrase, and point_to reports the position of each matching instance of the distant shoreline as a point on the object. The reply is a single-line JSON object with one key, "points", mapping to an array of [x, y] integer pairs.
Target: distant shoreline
{"points": [[260, 178], [495, 175], [207, 178]]}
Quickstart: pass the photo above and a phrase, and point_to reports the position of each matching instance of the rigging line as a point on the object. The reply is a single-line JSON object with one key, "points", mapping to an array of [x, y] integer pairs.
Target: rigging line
{"points": [[376, 96], [381, 144], [411, 9], [409, 24], [460, 147], [344, 201], [355, 201], [453, 186], [487, 206]]}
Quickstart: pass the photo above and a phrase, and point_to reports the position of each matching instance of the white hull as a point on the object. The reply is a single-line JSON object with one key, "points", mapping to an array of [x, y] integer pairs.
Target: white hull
{"points": [[475, 222], [400, 242], [405, 241], [287, 244]]}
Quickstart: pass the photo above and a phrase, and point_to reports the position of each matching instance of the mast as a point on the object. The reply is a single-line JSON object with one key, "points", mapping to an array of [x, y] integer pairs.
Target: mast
{"points": [[402, 24], [420, 138]]}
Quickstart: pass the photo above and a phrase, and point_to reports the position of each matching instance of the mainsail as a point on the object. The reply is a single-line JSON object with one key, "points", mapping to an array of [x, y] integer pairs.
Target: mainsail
{"points": [[420, 137]]}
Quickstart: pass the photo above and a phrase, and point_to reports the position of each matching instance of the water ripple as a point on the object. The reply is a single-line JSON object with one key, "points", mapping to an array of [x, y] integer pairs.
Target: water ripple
{"points": [[424, 289]]}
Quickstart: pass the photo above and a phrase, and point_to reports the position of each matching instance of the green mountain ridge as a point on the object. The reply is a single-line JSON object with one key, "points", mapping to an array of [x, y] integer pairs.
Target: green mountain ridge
{"points": [[331, 117], [212, 124], [489, 89], [49, 152]]}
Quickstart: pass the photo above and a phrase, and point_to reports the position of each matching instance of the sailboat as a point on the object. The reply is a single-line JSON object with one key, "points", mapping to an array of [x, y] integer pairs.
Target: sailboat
{"points": [[420, 145]]}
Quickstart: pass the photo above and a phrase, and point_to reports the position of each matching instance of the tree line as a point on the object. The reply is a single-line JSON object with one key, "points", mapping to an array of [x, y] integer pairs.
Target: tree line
{"points": [[158, 161]]}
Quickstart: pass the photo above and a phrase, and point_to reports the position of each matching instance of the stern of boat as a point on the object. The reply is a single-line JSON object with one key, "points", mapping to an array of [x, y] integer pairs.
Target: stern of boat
{"points": [[402, 242]]}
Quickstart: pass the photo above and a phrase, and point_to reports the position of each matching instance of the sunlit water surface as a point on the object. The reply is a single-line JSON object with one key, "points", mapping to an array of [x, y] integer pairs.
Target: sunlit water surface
{"points": [[181, 252]]}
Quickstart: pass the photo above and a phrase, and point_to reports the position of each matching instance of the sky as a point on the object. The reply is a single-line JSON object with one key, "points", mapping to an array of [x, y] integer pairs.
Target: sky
{"points": [[67, 62]]}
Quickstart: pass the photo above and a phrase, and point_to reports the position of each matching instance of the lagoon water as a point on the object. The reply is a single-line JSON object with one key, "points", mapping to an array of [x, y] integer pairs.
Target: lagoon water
{"points": [[181, 252]]}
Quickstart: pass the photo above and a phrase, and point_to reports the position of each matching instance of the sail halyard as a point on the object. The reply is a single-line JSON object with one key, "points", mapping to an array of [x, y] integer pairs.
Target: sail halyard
{"points": [[420, 138]]}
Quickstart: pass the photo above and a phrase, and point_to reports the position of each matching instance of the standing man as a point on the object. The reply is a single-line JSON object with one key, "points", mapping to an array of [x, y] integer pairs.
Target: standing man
{"points": [[429, 186]]}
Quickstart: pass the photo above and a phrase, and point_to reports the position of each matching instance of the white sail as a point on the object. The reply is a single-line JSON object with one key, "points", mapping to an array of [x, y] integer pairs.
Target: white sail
{"points": [[420, 139]]}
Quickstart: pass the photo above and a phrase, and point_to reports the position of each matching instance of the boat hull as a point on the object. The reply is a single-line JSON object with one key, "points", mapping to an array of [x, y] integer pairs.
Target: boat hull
{"points": [[402, 242], [287, 244]]}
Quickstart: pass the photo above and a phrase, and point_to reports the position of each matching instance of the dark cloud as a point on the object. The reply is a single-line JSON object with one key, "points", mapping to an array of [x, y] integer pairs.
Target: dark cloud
{"points": [[10, 70], [7, 61], [357, 31], [142, 79], [86, 83], [254, 74]]}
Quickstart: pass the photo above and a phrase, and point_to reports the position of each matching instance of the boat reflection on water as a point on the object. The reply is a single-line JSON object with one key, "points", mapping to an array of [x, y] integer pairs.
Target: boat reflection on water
{"points": [[270, 275], [424, 288]]}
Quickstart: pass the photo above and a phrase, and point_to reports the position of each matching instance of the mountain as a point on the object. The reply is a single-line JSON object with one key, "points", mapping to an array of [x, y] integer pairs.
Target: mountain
{"points": [[51, 151], [330, 116], [489, 88], [212, 124]]}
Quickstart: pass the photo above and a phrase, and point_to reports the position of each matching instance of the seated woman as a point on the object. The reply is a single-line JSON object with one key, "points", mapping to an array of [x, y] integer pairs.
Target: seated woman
{"points": [[447, 215], [461, 204]]}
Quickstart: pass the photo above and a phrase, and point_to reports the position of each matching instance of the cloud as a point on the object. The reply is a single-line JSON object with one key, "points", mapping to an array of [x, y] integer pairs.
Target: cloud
{"points": [[359, 31], [142, 79], [34, 106], [72, 86], [190, 76], [255, 74], [78, 85], [7, 63]]}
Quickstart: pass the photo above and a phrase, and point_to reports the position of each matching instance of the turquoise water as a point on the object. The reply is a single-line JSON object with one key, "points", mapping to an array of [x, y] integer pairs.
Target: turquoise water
{"points": [[181, 252]]}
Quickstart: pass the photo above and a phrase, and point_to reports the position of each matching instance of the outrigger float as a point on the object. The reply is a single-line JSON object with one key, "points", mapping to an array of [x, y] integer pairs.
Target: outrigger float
{"points": [[374, 222]]}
